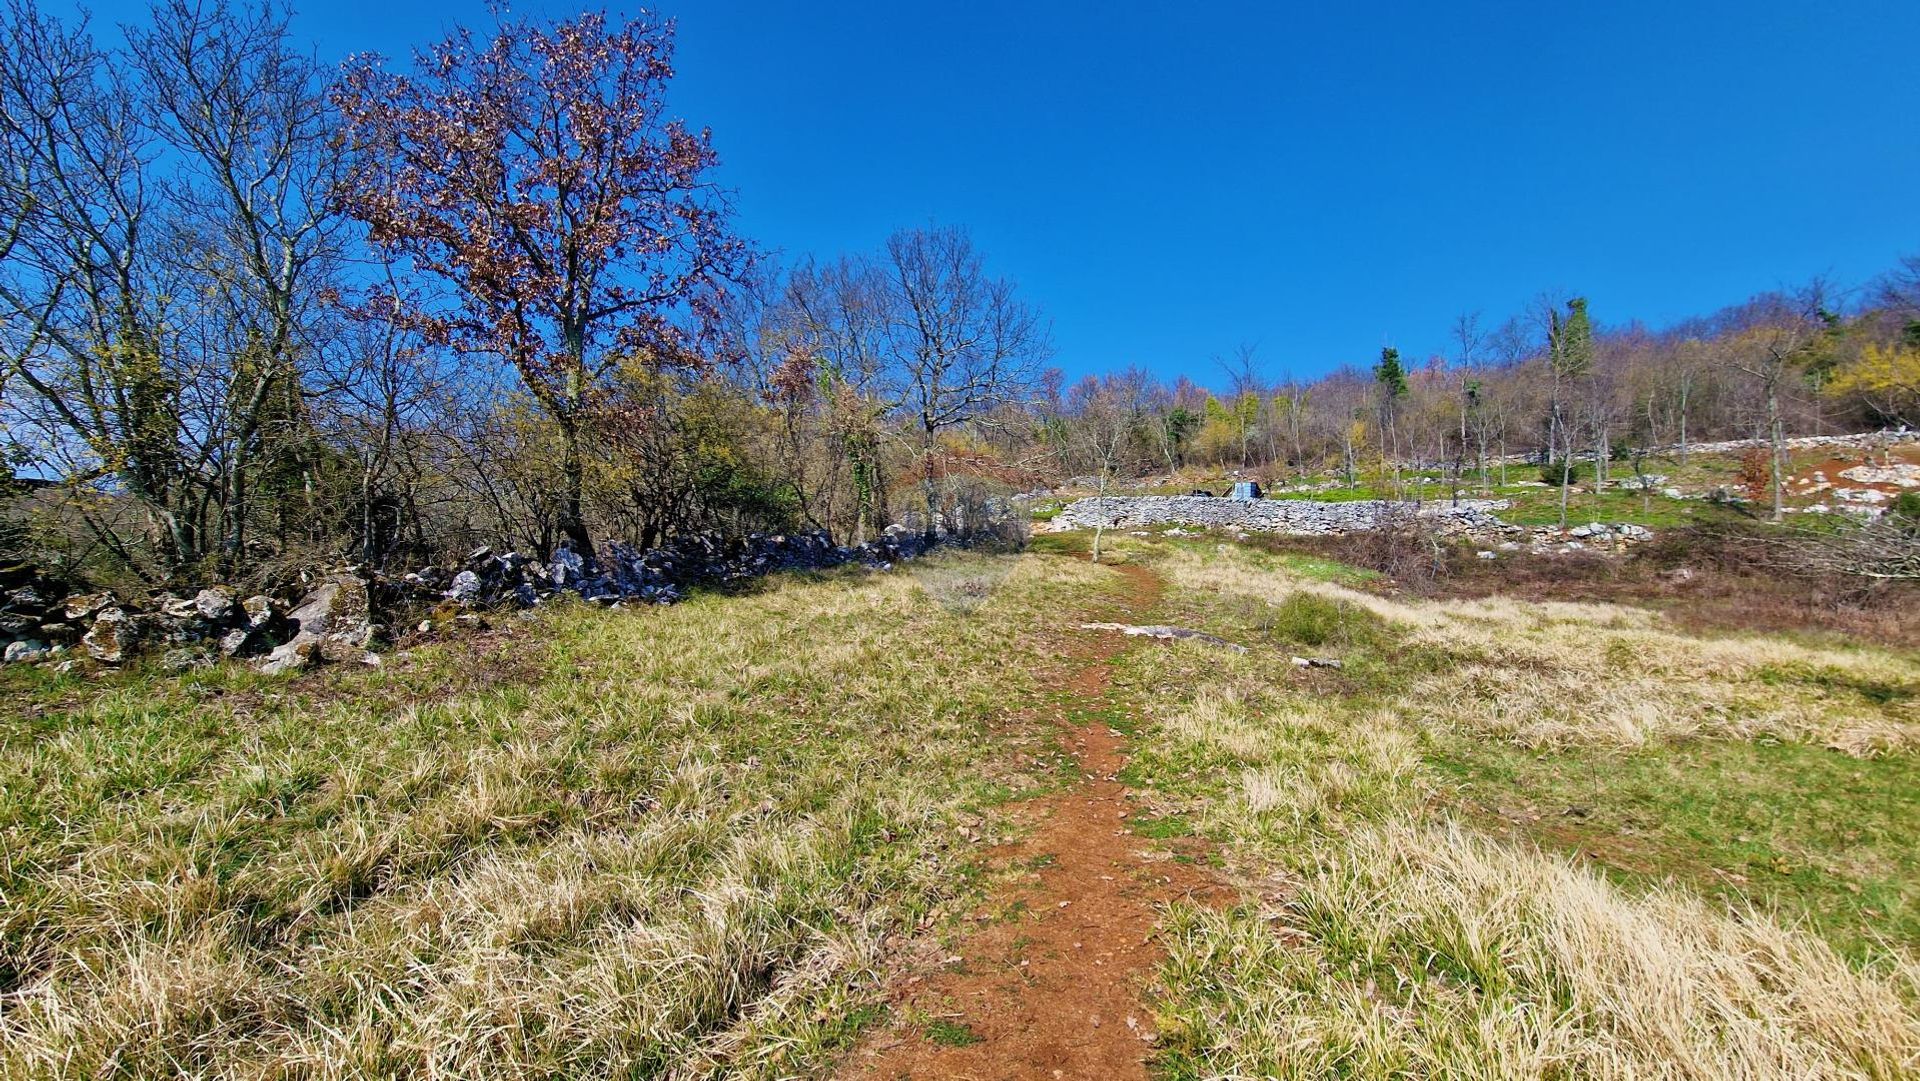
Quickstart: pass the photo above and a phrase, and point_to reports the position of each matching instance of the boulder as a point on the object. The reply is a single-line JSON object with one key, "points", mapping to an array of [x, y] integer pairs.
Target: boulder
{"points": [[216, 605], [261, 611], [26, 651], [293, 656], [238, 642], [113, 636], [465, 588], [332, 623]]}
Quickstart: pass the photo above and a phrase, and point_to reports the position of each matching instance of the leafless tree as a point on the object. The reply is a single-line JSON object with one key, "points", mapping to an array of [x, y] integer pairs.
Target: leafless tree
{"points": [[959, 342], [1103, 428]]}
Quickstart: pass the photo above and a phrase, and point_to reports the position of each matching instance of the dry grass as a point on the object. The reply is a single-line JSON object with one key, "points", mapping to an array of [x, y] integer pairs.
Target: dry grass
{"points": [[1422, 950], [1545, 674], [672, 848], [1381, 936]]}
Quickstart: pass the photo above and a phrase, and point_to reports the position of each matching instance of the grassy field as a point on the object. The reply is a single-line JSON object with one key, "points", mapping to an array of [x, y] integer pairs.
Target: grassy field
{"points": [[1502, 840], [1529, 840], [1533, 503], [667, 842]]}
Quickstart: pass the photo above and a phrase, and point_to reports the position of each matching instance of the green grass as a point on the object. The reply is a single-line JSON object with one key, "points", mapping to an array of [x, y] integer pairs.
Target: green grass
{"points": [[1812, 835], [633, 843], [951, 1033]]}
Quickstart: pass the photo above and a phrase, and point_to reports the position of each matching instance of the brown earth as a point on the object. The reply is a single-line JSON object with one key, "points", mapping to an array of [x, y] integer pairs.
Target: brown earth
{"points": [[1049, 984], [1801, 481]]}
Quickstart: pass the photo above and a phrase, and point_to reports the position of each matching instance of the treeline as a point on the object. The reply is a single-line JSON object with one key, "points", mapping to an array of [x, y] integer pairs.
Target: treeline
{"points": [[1548, 385], [259, 313]]}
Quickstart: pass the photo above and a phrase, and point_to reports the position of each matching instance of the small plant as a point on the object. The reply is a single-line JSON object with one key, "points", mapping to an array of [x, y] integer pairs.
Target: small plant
{"points": [[1904, 511], [952, 1033], [1756, 471]]}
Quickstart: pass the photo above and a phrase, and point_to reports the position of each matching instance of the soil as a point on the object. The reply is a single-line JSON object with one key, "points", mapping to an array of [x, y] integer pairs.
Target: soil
{"points": [[1050, 982], [1802, 481]]}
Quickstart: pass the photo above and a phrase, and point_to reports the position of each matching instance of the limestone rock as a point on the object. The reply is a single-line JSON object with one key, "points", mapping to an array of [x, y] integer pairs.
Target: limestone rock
{"points": [[215, 604], [112, 637], [26, 651], [83, 606]]}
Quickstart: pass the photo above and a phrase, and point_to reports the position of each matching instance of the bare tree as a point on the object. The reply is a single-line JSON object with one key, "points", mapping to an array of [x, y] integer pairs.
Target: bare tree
{"points": [[1102, 431], [166, 248], [959, 342], [1787, 329]]}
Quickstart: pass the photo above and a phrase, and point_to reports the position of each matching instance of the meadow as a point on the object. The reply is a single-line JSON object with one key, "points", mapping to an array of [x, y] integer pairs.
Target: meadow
{"points": [[1504, 838]]}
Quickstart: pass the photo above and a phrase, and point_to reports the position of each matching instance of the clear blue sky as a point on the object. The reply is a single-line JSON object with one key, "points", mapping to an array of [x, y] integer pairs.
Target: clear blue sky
{"points": [[1169, 180]]}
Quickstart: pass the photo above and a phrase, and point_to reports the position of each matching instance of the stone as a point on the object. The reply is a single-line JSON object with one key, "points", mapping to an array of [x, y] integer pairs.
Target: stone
{"points": [[465, 588], [292, 656], [83, 606], [215, 604], [26, 651], [1483, 554], [237, 642], [1899, 475], [1297, 517], [261, 610], [112, 638], [567, 566]]}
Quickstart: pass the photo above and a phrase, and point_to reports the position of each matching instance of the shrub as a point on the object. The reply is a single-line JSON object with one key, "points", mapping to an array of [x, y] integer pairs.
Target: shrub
{"points": [[1314, 620], [1756, 471], [1905, 510], [1558, 473]]}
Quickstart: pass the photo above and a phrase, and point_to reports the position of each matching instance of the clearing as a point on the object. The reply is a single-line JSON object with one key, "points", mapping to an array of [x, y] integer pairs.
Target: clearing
{"points": [[920, 824]]}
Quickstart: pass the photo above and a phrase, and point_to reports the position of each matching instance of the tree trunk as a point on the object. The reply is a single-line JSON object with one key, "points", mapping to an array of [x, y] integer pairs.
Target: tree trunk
{"points": [[573, 474], [1776, 435]]}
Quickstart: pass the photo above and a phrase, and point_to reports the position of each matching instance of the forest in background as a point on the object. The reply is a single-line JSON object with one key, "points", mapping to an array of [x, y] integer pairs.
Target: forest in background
{"points": [[260, 313]]}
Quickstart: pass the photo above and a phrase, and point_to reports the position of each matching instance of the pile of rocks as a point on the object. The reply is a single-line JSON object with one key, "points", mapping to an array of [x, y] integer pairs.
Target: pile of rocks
{"points": [[333, 622], [1591, 537], [1297, 517], [335, 619], [656, 576]]}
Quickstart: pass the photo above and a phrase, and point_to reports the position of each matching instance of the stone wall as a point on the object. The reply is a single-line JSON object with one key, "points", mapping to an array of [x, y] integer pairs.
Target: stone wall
{"points": [[1299, 517], [341, 614]]}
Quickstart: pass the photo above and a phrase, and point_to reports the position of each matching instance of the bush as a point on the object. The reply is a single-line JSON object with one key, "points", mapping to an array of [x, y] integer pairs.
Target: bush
{"points": [[1313, 620], [1905, 510], [1558, 473], [1756, 471], [1401, 545]]}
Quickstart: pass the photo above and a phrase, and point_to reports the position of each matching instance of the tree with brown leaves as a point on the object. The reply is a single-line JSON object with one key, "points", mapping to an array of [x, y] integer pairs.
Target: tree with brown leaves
{"points": [[537, 175]]}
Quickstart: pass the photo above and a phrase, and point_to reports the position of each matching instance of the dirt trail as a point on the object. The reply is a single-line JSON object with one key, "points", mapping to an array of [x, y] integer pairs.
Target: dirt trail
{"points": [[1053, 991]]}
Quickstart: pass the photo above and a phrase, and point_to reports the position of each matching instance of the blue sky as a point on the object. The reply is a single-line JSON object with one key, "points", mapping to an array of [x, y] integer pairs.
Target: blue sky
{"points": [[1168, 181]]}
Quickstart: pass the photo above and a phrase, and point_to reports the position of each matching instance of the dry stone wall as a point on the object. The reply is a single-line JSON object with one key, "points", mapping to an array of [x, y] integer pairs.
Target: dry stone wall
{"points": [[1298, 517]]}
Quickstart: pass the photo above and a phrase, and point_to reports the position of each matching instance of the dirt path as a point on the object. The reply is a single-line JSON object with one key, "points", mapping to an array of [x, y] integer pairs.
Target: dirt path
{"points": [[1054, 990]]}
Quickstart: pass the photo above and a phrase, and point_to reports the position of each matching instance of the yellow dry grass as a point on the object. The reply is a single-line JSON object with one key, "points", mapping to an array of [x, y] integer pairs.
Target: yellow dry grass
{"points": [[1381, 937], [1553, 674], [667, 843]]}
